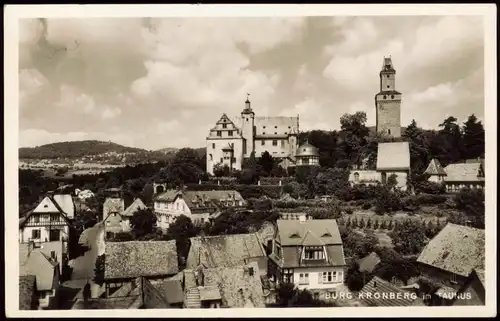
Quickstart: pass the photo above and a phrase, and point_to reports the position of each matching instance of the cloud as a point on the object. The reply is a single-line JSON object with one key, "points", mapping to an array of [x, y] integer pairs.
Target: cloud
{"points": [[133, 79]]}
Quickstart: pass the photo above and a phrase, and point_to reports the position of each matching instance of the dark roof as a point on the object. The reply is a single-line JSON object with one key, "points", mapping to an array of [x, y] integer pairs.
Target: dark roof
{"points": [[388, 92], [171, 290], [224, 250], [393, 156], [377, 292], [27, 290], [134, 207], [140, 258], [457, 249]]}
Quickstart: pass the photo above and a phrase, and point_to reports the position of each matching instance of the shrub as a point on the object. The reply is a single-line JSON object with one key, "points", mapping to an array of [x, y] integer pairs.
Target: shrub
{"points": [[362, 224], [366, 206], [429, 199], [369, 224], [471, 203], [376, 225], [349, 210], [429, 187]]}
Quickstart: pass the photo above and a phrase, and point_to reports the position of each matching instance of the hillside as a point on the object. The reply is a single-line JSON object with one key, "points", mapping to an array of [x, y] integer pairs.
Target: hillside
{"points": [[76, 149]]}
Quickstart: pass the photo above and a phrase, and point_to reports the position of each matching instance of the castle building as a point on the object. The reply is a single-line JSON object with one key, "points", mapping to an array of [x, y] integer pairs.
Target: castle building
{"points": [[388, 102], [232, 140]]}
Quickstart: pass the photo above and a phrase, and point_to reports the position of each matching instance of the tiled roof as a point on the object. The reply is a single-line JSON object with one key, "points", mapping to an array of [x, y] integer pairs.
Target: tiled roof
{"points": [[435, 168], [27, 290], [195, 199], [290, 257], [457, 249], [128, 302], [134, 207], [293, 232], [224, 250], [393, 156], [307, 149], [369, 262], [377, 292], [140, 258], [238, 289], [113, 205], [42, 267], [463, 172]]}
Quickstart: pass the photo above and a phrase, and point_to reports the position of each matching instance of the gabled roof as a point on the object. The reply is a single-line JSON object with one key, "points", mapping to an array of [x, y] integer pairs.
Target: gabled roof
{"points": [[369, 262], [317, 228], [27, 290], [53, 204], [382, 288], [42, 267], [140, 258], [224, 250], [393, 156], [435, 168], [65, 202], [202, 199], [457, 249], [464, 172], [134, 207]]}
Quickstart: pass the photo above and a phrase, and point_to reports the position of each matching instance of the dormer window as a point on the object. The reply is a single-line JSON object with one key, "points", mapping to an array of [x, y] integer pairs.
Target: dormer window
{"points": [[277, 249], [326, 235], [294, 235], [314, 253]]}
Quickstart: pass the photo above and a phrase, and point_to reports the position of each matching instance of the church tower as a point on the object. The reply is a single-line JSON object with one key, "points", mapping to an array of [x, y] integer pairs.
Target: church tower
{"points": [[248, 128], [388, 102]]}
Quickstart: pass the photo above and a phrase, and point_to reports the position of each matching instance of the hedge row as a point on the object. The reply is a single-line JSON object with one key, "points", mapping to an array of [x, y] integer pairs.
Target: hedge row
{"points": [[276, 180]]}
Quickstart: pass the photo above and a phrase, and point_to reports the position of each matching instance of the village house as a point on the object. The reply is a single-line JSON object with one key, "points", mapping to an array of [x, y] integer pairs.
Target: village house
{"points": [[49, 221], [380, 293], [394, 159], [448, 260], [224, 287], [464, 175], [307, 155], [140, 293], [116, 222], [114, 206], [126, 261], [45, 269], [197, 205], [435, 171], [233, 139], [84, 194], [308, 253], [474, 291], [227, 251]]}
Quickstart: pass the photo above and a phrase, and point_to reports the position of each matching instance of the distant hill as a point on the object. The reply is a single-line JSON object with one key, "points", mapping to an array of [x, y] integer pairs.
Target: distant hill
{"points": [[75, 149], [168, 150]]}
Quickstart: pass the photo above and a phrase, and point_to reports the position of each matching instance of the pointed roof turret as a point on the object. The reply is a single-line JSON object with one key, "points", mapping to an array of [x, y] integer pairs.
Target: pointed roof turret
{"points": [[387, 65], [248, 108], [435, 168]]}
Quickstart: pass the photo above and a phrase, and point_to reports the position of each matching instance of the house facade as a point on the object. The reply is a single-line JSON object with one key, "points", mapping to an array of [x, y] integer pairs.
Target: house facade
{"points": [[449, 259], [233, 139], [197, 205], [394, 159], [115, 221], [308, 253], [49, 221], [464, 175]]}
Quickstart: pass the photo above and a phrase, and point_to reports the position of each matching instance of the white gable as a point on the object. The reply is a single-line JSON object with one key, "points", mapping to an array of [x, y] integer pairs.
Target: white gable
{"points": [[66, 203], [46, 206]]}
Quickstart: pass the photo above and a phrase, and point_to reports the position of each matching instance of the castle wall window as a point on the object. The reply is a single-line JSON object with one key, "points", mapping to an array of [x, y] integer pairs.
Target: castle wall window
{"points": [[275, 143], [385, 96], [247, 119], [275, 126], [275, 133], [213, 145], [387, 86], [263, 142], [283, 143], [263, 127], [221, 160], [392, 96], [389, 131], [387, 76], [219, 133], [211, 157], [230, 133]]}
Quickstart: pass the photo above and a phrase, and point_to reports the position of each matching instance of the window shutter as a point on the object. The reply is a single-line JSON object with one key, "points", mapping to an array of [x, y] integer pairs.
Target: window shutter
{"points": [[320, 277]]}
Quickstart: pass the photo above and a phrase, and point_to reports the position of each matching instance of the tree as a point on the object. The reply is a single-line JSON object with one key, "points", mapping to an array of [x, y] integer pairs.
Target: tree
{"points": [[471, 203], [143, 222], [383, 225], [354, 280], [221, 170], [267, 163], [369, 224], [290, 296], [362, 224], [185, 167], [451, 136], [390, 226], [473, 139], [399, 268], [181, 230], [251, 170], [392, 181], [99, 269], [408, 237], [353, 134]]}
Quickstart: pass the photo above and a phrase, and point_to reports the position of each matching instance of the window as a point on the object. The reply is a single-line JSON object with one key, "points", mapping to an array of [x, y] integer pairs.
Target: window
{"points": [[283, 143], [304, 278], [211, 157], [230, 133], [275, 133], [288, 276], [385, 96], [286, 133], [247, 119], [224, 125], [275, 143], [263, 133], [329, 277], [275, 126], [263, 127], [387, 86], [278, 250], [387, 76], [392, 96], [356, 177], [219, 133], [35, 234], [389, 131], [54, 217], [233, 159], [314, 254], [213, 145], [36, 218], [263, 142]]}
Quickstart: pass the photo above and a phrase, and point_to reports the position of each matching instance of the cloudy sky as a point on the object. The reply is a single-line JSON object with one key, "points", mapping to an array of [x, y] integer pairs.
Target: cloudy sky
{"points": [[155, 83]]}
